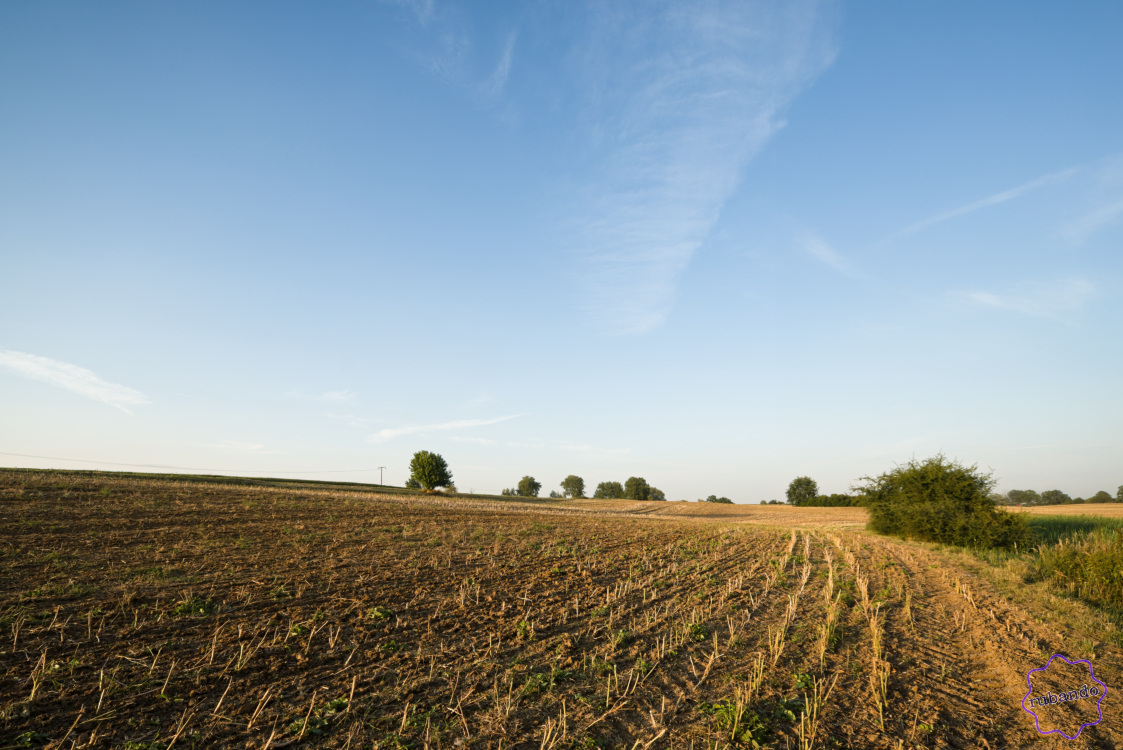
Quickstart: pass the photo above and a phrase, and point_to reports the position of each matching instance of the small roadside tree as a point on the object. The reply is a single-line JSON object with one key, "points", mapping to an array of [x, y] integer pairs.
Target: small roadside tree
{"points": [[429, 471], [938, 500], [801, 490], [654, 493], [529, 487], [573, 486], [637, 488], [609, 491]]}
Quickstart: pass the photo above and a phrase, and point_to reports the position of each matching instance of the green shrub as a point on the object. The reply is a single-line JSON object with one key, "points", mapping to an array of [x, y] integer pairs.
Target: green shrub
{"points": [[938, 500]]}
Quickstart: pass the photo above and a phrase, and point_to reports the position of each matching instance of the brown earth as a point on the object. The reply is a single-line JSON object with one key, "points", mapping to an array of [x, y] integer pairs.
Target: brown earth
{"points": [[149, 614]]}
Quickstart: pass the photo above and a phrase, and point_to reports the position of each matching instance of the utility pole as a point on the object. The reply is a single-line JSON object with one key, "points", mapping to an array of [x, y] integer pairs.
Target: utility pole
{"points": [[380, 468]]}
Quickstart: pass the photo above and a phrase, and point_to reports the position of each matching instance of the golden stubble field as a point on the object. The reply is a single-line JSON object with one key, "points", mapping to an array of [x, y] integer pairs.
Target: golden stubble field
{"points": [[158, 614]]}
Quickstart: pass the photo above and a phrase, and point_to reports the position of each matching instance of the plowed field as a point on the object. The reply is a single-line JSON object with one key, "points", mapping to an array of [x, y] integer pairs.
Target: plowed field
{"points": [[158, 614]]}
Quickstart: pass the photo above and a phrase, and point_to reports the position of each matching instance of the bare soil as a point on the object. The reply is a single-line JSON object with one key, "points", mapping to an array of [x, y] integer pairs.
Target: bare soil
{"points": [[152, 614]]}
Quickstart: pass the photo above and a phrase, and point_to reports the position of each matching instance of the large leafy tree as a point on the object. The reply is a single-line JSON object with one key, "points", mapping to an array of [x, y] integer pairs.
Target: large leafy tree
{"points": [[529, 487], [429, 471], [609, 491], [637, 488], [1024, 497], [802, 490], [573, 486], [1119, 494], [1055, 497], [938, 500], [1100, 497]]}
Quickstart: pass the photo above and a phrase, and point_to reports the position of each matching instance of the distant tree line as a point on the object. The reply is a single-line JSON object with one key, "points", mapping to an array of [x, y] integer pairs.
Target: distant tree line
{"points": [[1056, 497], [716, 499], [804, 492], [573, 486], [636, 488]]}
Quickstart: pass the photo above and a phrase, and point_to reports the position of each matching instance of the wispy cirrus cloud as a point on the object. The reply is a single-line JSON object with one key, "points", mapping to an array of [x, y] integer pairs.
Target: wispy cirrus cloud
{"points": [[594, 452], [353, 420], [336, 397], [820, 250], [1094, 221], [493, 86], [1044, 300], [682, 95], [481, 441], [236, 446], [71, 377], [392, 432], [993, 200], [422, 10]]}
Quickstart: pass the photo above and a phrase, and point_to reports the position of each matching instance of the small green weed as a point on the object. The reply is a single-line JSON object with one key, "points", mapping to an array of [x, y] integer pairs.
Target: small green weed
{"points": [[698, 633], [379, 613], [195, 606]]}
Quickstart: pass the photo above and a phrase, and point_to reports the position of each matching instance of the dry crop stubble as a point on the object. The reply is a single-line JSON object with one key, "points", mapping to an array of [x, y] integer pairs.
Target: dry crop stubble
{"points": [[219, 616]]}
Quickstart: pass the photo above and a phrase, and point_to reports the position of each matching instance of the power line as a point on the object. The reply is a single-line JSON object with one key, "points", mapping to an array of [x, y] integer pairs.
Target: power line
{"points": [[184, 468]]}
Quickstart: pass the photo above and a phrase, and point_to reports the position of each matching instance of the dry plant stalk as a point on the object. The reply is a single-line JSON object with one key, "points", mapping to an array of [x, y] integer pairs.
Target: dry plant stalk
{"points": [[775, 643], [809, 721]]}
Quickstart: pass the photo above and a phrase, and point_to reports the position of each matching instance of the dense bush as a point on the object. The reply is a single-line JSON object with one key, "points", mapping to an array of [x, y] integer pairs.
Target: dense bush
{"points": [[937, 500]]}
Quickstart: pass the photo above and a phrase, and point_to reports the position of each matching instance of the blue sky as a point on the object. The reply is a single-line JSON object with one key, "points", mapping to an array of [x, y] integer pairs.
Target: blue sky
{"points": [[717, 245]]}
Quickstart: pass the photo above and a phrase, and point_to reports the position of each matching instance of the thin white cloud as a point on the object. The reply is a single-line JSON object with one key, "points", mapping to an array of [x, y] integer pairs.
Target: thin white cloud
{"points": [[423, 10], [1093, 222], [353, 420], [994, 200], [235, 446], [681, 95], [336, 397], [827, 254], [480, 400], [1052, 300], [493, 86], [390, 433], [595, 452], [481, 441], [72, 378]]}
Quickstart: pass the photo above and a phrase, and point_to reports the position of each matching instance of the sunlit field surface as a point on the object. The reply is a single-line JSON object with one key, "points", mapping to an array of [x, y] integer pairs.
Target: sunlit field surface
{"points": [[145, 614]]}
